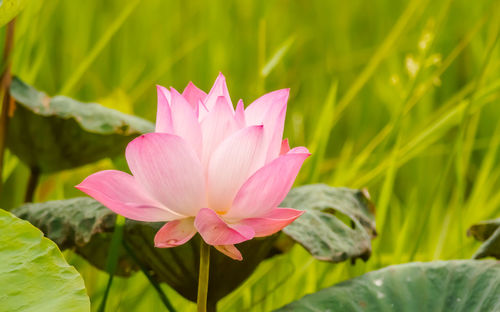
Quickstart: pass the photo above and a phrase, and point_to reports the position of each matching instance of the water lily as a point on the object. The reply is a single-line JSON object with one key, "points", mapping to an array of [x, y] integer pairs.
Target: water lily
{"points": [[208, 168]]}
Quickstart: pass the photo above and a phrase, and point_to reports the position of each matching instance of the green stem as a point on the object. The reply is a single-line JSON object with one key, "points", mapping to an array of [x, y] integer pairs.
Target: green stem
{"points": [[32, 184], [4, 89], [153, 282], [102, 307], [203, 276], [112, 261]]}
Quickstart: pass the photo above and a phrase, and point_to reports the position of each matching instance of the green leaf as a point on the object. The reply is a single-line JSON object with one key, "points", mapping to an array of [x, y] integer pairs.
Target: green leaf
{"points": [[464, 285], [86, 226], [323, 231], [9, 9], [33, 273], [59, 133], [489, 233]]}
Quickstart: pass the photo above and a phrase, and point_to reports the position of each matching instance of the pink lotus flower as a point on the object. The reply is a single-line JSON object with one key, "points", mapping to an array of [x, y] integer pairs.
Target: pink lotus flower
{"points": [[207, 168]]}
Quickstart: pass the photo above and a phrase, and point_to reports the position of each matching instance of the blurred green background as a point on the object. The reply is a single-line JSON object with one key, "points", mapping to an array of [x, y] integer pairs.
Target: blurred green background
{"points": [[401, 97]]}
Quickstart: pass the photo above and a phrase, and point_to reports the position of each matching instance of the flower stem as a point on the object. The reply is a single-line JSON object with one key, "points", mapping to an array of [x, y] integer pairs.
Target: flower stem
{"points": [[203, 276]]}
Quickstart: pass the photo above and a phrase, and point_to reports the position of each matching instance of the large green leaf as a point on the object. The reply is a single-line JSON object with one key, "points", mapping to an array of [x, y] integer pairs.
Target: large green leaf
{"points": [[9, 9], [85, 226], [489, 233], [465, 285], [323, 231], [58, 133], [33, 273]]}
